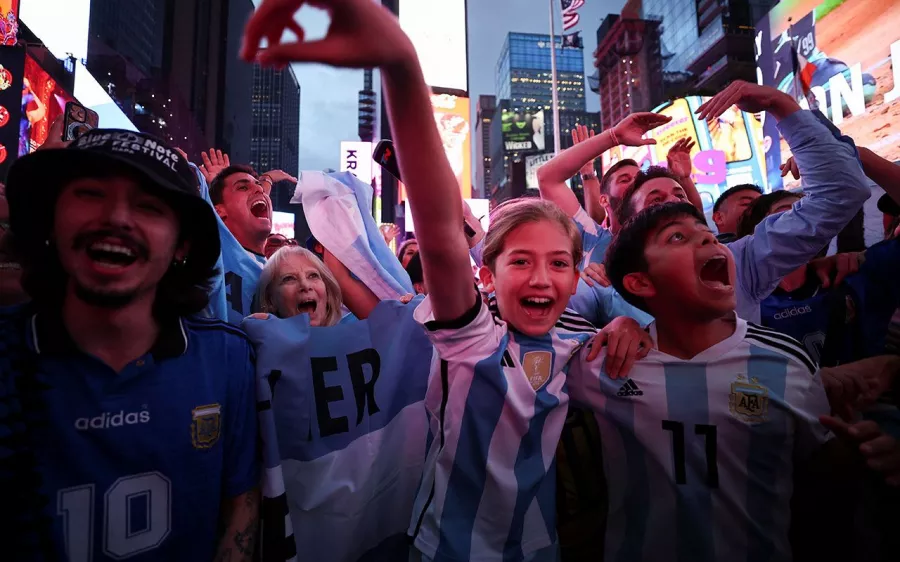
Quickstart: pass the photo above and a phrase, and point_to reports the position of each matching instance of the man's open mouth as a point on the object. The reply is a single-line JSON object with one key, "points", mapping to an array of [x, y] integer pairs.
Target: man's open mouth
{"points": [[260, 209], [111, 255], [714, 273]]}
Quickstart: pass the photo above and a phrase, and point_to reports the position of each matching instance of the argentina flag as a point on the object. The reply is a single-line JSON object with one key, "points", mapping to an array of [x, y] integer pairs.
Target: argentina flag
{"points": [[338, 209], [347, 406]]}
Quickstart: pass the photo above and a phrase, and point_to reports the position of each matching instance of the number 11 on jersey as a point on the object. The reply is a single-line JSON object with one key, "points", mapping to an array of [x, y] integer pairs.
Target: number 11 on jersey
{"points": [[678, 447]]}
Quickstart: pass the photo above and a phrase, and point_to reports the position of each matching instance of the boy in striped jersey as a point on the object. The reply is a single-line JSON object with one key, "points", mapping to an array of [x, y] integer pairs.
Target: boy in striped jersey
{"points": [[700, 441]]}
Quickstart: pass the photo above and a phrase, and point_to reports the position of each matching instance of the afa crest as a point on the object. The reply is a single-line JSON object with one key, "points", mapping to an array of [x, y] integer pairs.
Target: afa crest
{"points": [[206, 427], [537, 365], [749, 401]]}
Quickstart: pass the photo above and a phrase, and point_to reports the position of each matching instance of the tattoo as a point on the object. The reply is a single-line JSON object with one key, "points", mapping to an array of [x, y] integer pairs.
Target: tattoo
{"points": [[245, 540], [238, 544]]}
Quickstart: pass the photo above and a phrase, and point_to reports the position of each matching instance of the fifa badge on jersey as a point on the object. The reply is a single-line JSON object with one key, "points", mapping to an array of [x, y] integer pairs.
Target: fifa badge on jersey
{"points": [[749, 401], [537, 367], [206, 426]]}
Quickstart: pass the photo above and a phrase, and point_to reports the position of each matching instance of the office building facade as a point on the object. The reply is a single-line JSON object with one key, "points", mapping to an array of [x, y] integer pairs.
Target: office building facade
{"points": [[630, 67], [173, 69], [524, 73], [274, 144], [705, 44]]}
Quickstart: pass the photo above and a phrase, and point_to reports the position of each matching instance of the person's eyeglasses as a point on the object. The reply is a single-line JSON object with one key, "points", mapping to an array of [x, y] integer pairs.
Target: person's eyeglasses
{"points": [[282, 241]]}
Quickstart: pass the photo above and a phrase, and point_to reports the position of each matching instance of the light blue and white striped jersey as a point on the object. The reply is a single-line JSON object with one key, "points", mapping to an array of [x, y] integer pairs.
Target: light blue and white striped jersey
{"points": [[496, 404], [699, 454], [594, 238], [233, 290]]}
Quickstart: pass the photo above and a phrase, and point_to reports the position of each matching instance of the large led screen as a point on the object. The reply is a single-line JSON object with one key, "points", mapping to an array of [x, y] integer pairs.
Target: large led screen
{"points": [[451, 114], [437, 29], [726, 152], [842, 56], [43, 101]]}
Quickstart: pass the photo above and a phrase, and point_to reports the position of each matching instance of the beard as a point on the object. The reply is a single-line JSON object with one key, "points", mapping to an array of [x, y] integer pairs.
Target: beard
{"points": [[104, 299]]}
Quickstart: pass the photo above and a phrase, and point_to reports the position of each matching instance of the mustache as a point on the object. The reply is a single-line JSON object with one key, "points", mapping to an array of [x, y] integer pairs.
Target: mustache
{"points": [[85, 239]]}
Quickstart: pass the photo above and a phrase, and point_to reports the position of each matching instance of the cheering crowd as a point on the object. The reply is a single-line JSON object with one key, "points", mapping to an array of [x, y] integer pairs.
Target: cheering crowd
{"points": [[615, 382]]}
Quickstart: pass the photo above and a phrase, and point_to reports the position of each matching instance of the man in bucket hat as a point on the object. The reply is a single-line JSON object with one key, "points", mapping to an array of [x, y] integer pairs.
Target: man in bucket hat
{"points": [[132, 422]]}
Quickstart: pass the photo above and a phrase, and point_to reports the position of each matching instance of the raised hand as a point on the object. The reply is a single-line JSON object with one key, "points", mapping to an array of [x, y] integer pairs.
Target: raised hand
{"points": [[630, 131], [580, 134], [213, 162], [748, 97], [390, 232], [278, 175], [679, 158], [55, 135], [362, 34], [790, 166]]}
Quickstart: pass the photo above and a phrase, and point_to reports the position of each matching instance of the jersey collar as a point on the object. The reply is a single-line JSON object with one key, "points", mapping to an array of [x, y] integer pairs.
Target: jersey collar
{"points": [[48, 334], [711, 353]]}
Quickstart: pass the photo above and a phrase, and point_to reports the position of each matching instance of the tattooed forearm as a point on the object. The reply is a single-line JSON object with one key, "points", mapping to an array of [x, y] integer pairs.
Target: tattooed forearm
{"points": [[241, 523]]}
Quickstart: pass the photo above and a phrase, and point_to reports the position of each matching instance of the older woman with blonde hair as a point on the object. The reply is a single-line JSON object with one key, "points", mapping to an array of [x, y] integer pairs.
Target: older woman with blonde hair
{"points": [[295, 281]]}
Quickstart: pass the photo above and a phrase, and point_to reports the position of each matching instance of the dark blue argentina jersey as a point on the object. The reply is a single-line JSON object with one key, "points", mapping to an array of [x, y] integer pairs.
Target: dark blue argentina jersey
{"points": [[135, 465]]}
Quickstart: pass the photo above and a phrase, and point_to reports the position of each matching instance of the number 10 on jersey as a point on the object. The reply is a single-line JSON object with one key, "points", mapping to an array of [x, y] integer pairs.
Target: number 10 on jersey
{"points": [[137, 516]]}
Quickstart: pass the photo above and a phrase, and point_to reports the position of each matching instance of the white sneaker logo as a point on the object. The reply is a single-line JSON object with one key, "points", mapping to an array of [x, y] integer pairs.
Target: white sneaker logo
{"points": [[107, 420]]}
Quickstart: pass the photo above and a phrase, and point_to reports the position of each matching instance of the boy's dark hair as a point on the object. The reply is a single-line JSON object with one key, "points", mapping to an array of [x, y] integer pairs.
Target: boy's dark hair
{"points": [[218, 183], [626, 253], [759, 210], [626, 209], [734, 190], [607, 177], [414, 269]]}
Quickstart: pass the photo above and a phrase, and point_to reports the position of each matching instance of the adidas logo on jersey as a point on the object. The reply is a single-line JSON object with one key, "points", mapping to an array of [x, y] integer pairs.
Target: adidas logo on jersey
{"points": [[107, 420], [630, 389], [796, 311]]}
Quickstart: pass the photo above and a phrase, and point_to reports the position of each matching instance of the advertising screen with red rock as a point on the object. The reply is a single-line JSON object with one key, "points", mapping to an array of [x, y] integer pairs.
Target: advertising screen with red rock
{"points": [[43, 100]]}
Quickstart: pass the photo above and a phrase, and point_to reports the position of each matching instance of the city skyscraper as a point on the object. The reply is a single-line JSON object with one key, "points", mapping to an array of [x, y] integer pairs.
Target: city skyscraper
{"points": [[524, 77], [274, 144], [173, 69], [705, 43], [629, 65], [486, 109]]}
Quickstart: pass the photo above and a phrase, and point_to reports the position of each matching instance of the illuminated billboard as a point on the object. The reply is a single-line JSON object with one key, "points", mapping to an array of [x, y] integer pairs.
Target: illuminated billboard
{"points": [[843, 56], [727, 152], [532, 163], [523, 131], [43, 100], [62, 25], [9, 22], [283, 223], [437, 29], [356, 158], [451, 114], [68, 35]]}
